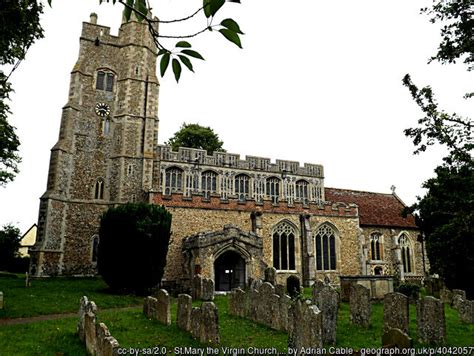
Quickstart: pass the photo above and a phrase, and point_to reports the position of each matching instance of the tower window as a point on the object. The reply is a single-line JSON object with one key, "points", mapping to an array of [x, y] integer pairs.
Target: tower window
{"points": [[99, 189], [284, 247], [105, 81], [273, 189], [325, 249]]}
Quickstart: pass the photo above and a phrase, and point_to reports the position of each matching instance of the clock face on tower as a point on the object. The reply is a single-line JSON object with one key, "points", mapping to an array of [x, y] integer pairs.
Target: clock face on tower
{"points": [[102, 109]]}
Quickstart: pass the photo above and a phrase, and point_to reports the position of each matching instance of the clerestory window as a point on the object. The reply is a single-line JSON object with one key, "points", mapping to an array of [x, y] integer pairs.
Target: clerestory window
{"points": [[302, 191], [208, 183], [273, 189], [173, 180], [242, 186]]}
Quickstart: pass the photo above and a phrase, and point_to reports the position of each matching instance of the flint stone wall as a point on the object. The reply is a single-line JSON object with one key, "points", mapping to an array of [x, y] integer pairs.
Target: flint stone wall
{"points": [[205, 323], [396, 312], [183, 314], [431, 321], [305, 326], [360, 307], [326, 298]]}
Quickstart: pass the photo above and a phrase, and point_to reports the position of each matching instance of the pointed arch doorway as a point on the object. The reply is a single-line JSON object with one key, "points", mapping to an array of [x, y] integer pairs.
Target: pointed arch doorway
{"points": [[229, 271]]}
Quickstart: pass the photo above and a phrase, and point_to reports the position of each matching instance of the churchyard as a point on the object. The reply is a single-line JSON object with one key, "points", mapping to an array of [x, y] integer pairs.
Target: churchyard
{"points": [[244, 319]]}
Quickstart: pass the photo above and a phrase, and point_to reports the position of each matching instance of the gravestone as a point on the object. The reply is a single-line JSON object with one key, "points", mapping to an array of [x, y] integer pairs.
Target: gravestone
{"points": [[267, 310], [196, 290], [293, 286], [326, 298], [90, 328], [346, 289], [433, 286], [1, 300], [446, 296], [396, 338], [163, 313], [431, 321], [285, 302], [253, 304], [207, 289], [395, 312], [280, 290], [82, 313], [209, 324], [460, 292], [457, 301], [270, 275], [305, 328], [106, 344], [466, 311], [196, 322], [238, 303], [183, 313], [360, 306], [150, 308], [255, 284]]}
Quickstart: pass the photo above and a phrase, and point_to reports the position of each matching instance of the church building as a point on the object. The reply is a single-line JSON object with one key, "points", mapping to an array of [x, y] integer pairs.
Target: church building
{"points": [[231, 217]]}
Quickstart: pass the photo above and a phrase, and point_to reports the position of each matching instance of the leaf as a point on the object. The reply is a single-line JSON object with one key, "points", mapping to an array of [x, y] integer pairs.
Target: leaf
{"points": [[206, 4], [183, 44], [127, 11], [186, 62], [162, 52], [231, 25], [141, 9], [192, 53], [176, 69], [231, 36], [165, 60], [216, 5]]}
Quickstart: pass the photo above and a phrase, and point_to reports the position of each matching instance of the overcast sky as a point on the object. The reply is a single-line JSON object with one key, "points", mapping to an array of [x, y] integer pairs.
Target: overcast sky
{"points": [[317, 82]]}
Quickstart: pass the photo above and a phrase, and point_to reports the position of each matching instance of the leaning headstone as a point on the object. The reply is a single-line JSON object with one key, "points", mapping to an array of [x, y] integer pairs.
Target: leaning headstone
{"points": [[253, 298], [163, 307], [431, 321], [90, 328], [209, 324], [446, 296], [196, 291], [280, 290], [327, 300], [317, 288], [395, 312], [267, 311], [396, 338], [285, 303], [457, 301], [360, 306], [293, 286], [238, 303], [196, 322], [255, 284], [270, 275], [207, 289], [82, 313], [102, 333], [433, 286], [183, 313], [305, 329], [466, 311], [1, 300], [150, 308], [460, 292], [346, 286]]}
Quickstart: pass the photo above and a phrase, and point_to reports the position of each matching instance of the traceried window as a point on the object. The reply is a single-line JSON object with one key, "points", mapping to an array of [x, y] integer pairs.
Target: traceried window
{"points": [[173, 180], [208, 183], [242, 186], [376, 246], [405, 247], [302, 191], [284, 247], [325, 239], [99, 189], [273, 189], [105, 81]]}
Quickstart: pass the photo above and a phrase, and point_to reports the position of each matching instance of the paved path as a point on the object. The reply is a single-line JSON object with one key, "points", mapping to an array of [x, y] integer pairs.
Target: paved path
{"points": [[34, 319]]}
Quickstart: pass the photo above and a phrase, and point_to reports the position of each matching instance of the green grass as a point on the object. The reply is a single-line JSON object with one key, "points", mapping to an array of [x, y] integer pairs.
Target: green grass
{"points": [[56, 295]]}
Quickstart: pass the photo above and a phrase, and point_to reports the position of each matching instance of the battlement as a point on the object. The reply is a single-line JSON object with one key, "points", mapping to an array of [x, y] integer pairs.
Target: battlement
{"points": [[232, 160], [92, 31]]}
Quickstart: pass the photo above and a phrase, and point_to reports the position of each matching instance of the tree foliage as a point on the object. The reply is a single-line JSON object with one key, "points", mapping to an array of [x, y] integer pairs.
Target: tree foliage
{"points": [[9, 245], [20, 27], [133, 244], [196, 136]]}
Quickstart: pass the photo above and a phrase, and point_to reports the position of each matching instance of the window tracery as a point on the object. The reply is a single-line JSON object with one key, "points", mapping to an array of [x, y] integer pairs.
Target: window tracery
{"points": [[325, 240], [406, 252], [173, 180], [283, 237]]}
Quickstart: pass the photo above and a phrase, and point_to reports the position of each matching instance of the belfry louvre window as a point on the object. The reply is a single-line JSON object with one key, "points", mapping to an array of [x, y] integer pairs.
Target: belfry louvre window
{"points": [[105, 81], [302, 191], [325, 249], [173, 180], [99, 189], [208, 183], [273, 189], [242, 186], [405, 248], [284, 247], [375, 246]]}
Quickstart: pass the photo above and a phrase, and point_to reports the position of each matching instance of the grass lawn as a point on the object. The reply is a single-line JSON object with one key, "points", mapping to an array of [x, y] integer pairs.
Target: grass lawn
{"points": [[56, 295]]}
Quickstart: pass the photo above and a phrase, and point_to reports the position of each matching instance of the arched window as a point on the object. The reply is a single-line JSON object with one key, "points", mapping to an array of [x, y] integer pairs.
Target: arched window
{"points": [[208, 183], [105, 81], [173, 180], [242, 186], [302, 191], [376, 247], [325, 248], [95, 248], [405, 248], [99, 189], [284, 247], [273, 189]]}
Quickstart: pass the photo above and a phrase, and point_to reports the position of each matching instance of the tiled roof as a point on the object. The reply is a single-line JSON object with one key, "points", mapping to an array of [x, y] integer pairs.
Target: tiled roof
{"points": [[375, 209]]}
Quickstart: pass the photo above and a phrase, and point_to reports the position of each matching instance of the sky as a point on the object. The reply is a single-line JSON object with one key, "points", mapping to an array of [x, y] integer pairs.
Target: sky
{"points": [[316, 81]]}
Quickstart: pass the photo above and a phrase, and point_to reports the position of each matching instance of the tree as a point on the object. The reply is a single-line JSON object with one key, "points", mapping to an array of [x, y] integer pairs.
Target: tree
{"points": [[133, 244], [20, 27], [196, 136], [445, 214], [9, 245]]}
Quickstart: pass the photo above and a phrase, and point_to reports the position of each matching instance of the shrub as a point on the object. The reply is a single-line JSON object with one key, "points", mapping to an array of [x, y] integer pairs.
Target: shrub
{"points": [[133, 245], [9, 244]]}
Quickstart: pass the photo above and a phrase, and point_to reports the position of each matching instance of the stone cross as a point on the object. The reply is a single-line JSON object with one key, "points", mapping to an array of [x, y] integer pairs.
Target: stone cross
{"points": [[395, 312], [183, 314], [326, 298], [431, 321], [360, 306]]}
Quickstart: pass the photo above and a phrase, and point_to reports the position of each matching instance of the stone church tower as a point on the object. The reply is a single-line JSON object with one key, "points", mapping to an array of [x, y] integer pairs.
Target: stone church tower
{"points": [[105, 151]]}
